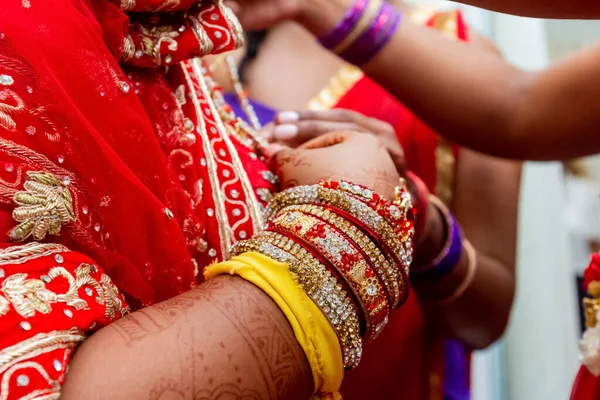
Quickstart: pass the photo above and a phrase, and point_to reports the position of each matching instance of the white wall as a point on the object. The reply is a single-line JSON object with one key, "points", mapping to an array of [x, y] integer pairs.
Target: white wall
{"points": [[541, 344]]}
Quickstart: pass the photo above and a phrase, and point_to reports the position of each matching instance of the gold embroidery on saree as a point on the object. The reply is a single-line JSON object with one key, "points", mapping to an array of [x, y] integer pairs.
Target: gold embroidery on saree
{"points": [[127, 5], [153, 38], [30, 251], [10, 104], [237, 32], [43, 208], [28, 296]]}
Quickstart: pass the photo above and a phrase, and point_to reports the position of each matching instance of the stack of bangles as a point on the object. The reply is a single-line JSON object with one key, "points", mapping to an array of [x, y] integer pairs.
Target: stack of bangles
{"points": [[348, 248], [365, 29], [450, 256]]}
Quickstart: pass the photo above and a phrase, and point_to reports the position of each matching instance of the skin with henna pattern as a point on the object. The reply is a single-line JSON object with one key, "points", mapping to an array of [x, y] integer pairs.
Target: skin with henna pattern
{"points": [[223, 340]]}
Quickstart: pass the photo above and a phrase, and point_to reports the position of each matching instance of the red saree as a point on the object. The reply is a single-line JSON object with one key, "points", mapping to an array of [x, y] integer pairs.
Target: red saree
{"points": [[384, 364], [115, 169]]}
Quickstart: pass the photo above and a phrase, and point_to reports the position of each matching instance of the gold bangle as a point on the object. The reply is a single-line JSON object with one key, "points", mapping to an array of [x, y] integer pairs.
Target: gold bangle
{"points": [[318, 283], [363, 24], [318, 195], [469, 276]]}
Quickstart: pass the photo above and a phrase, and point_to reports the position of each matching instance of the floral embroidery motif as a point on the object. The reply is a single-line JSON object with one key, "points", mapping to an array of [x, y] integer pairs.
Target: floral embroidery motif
{"points": [[27, 295], [30, 295], [44, 207]]}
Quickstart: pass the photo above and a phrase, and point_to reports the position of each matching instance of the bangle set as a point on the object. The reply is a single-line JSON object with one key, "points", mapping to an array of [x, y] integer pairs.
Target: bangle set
{"points": [[350, 250], [449, 257], [365, 29]]}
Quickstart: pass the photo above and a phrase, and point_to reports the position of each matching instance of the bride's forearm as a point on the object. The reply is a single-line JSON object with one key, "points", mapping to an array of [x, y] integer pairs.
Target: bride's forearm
{"points": [[224, 338]]}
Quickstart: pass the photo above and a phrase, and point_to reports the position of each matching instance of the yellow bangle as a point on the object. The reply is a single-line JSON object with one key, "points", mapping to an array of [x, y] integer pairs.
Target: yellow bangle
{"points": [[311, 328]]}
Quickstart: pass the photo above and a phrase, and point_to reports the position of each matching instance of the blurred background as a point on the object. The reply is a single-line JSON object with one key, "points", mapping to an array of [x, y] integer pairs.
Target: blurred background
{"points": [[559, 225]]}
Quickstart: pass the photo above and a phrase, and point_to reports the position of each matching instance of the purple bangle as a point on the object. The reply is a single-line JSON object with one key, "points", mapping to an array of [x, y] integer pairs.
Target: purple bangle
{"points": [[375, 37], [386, 38], [448, 259], [332, 39]]}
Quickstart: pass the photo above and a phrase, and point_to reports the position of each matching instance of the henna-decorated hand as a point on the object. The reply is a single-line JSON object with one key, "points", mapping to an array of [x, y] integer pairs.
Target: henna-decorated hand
{"points": [[353, 156], [293, 128]]}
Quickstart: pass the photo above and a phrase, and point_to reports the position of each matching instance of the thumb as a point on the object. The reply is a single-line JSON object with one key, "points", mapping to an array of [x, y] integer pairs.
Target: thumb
{"points": [[274, 151]]}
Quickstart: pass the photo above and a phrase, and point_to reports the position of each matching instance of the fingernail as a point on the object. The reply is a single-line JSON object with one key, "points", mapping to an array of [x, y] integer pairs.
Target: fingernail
{"points": [[287, 116], [266, 134], [285, 132]]}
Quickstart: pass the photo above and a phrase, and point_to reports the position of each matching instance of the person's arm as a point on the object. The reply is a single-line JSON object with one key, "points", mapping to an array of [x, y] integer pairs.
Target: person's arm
{"points": [[477, 100], [563, 9], [486, 205], [224, 339]]}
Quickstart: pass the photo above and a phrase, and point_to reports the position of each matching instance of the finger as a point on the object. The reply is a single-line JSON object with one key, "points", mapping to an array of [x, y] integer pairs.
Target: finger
{"points": [[285, 117], [281, 157], [303, 131], [272, 150], [342, 115], [328, 140], [333, 115], [267, 133]]}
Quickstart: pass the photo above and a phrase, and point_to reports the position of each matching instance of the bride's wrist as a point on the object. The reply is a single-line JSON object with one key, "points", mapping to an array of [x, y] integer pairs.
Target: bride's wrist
{"points": [[320, 16]]}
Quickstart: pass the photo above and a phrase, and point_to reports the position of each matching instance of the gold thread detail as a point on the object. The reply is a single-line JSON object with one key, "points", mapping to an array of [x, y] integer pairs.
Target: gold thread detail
{"points": [[43, 208]]}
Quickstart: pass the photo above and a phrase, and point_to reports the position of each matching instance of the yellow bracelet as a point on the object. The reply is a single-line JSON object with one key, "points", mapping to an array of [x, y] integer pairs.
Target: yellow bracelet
{"points": [[311, 328]]}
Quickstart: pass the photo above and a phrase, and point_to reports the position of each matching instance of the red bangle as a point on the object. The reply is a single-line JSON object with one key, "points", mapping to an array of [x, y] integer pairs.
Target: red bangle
{"points": [[349, 262]]}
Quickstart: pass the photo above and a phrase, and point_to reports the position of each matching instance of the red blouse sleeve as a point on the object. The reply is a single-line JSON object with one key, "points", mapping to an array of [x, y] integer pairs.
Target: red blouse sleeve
{"points": [[50, 299]]}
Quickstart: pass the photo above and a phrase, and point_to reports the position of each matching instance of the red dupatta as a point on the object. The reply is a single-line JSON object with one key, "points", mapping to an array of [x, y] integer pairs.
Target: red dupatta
{"points": [[115, 168], [384, 363]]}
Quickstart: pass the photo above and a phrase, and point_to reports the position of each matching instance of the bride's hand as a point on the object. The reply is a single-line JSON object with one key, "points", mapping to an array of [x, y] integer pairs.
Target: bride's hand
{"points": [[352, 156]]}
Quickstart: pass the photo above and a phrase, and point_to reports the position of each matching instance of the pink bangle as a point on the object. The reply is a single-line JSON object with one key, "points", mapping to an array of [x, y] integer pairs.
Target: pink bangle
{"points": [[469, 277]]}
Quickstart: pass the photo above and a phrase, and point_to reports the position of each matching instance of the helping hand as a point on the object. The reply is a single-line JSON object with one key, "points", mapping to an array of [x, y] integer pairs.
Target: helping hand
{"points": [[295, 128], [262, 14]]}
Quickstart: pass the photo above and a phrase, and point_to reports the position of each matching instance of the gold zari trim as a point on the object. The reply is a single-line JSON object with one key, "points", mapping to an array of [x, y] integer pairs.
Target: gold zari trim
{"points": [[27, 252], [28, 296]]}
